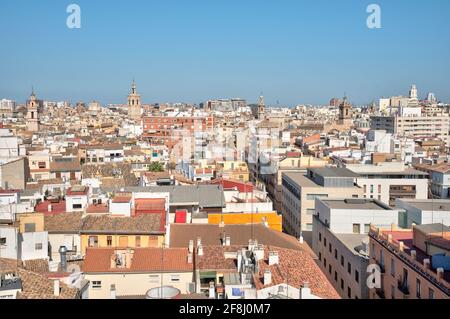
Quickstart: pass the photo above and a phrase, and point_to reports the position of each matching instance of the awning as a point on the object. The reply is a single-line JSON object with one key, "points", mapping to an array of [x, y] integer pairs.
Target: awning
{"points": [[208, 274]]}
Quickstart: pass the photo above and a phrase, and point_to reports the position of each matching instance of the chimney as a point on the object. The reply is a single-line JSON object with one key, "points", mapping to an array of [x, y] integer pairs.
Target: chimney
{"points": [[440, 273], [200, 250], [239, 260], [305, 291], [199, 241], [227, 241], [390, 239], [258, 251], [113, 292], [426, 263], [49, 208], [267, 277], [401, 246], [301, 240], [191, 246], [274, 259], [56, 288], [212, 290], [189, 258], [413, 254], [63, 255]]}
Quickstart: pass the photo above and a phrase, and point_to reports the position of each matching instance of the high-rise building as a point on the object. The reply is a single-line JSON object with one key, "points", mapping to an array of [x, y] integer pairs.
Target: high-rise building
{"points": [[134, 104]]}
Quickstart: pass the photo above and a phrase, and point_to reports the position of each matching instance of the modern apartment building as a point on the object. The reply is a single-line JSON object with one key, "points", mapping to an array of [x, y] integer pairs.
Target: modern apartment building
{"points": [[413, 126], [423, 212], [340, 240], [300, 191], [388, 181]]}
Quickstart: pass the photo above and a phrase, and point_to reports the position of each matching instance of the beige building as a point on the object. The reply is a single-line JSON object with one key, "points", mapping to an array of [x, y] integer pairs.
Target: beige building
{"points": [[39, 162], [14, 174], [299, 192], [414, 126], [115, 273]]}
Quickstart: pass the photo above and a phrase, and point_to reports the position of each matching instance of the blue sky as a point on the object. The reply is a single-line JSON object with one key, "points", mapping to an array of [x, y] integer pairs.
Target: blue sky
{"points": [[295, 51]]}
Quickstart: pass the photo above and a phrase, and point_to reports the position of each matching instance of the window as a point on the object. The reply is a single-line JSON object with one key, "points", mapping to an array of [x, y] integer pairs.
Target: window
{"points": [[392, 292], [342, 261], [329, 269], [320, 256], [356, 229], [309, 227], [30, 227], [330, 247], [310, 212], [324, 242], [325, 262], [371, 189], [366, 228], [379, 188], [320, 237], [335, 276], [96, 284], [357, 276], [138, 241], [335, 254], [342, 284], [3, 241], [38, 246], [349, 268], [109, 241], [77, 206], [349, 292], [93, 241], [175, 278], [431, 294], [418, 289]]}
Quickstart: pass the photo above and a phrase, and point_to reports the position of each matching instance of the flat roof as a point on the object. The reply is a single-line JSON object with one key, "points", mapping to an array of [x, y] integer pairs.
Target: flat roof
{"points": [[333, 172], [409, 171], [352, 241], [301, 179], [433, 228], [355, 203], [441, 205]]}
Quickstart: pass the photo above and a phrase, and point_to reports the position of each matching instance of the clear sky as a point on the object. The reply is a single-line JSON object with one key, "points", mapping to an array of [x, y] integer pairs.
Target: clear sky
{"points": [[295, 51]]}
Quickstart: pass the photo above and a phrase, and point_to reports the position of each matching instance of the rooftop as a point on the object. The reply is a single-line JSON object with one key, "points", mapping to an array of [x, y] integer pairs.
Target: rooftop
{"points": [[143, 260], [333, 172], [442, 205], [355, 203], [142, 224], [211, 235]]}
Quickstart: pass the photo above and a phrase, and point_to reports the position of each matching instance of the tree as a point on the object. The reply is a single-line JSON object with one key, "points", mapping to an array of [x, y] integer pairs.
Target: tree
{"points": [[156, 167]]}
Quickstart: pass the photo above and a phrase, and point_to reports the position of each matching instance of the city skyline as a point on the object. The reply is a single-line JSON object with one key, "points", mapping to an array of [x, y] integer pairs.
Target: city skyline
{"points": [[193, 52]]}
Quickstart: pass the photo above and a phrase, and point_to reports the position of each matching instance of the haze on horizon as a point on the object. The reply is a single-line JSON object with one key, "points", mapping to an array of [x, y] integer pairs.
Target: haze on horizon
{"points": [[190, 51]]}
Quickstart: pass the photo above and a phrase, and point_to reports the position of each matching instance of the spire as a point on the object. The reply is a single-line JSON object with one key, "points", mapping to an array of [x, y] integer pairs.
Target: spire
{"points": [[32, 90], [133, 87]]}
